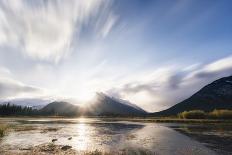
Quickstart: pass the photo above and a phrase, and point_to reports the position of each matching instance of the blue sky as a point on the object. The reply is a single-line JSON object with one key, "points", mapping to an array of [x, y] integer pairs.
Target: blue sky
{"points": [[153, 53]]}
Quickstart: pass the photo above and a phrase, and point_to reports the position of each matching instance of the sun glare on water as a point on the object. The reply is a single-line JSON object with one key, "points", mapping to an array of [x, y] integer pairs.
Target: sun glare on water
{"points": [[82, 139]]}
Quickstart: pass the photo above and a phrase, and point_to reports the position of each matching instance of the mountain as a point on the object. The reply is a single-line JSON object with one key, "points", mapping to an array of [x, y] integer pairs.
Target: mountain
{"points": [[216, 95], [105, 105], [61, 109]]}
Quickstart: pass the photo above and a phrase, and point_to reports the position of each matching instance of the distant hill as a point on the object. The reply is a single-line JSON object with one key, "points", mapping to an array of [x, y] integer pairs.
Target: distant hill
{"points": [[60, 109], [105, 105], [216, 95]]}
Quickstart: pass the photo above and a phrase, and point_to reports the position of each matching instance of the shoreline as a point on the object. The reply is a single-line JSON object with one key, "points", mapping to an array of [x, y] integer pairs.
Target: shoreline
{"points": [[133, 119]]}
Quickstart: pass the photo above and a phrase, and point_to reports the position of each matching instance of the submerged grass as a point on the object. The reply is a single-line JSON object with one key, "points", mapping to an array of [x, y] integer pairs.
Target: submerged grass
{"points": [[51, 148], [23, 128]]}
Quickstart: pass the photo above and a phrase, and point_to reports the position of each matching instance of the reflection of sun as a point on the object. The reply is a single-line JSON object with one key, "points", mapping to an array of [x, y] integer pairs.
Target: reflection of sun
{"points": [[81, 119], [83, 137]]}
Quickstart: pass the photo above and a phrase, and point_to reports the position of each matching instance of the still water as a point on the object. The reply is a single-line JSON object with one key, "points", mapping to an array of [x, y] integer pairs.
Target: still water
{"points": [[87, 134]]}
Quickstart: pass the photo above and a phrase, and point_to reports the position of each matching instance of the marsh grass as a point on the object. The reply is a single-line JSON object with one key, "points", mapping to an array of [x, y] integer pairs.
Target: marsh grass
{"points": [[96, 152], [51, 148], [23, 128], [220, 114], [53, 129]]}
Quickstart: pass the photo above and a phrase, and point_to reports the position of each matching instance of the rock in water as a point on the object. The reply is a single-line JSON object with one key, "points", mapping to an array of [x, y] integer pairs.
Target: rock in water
{"points": [[66, 147]]}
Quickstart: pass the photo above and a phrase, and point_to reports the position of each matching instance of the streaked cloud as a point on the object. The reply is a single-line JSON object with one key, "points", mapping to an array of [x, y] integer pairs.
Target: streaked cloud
{"points": [[46, 30], [110, 22]]}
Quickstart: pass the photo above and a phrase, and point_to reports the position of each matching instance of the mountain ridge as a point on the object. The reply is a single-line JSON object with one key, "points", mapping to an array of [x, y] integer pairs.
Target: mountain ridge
{"points": [[216, 95], [102, 106]]}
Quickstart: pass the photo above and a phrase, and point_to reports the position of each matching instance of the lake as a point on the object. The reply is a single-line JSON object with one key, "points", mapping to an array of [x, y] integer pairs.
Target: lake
{"points": [[128, 137]]}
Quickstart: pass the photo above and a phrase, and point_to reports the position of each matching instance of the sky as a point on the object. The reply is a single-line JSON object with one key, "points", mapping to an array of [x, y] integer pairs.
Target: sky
{"points": [[153, 53]]}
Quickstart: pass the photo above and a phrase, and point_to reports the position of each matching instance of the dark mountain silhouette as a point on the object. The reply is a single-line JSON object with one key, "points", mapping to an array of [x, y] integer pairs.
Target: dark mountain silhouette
{"points": [[216, 95], [105, 105]]}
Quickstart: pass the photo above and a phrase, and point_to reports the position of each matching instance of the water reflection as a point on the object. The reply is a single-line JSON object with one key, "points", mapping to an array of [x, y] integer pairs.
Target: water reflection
{"points": [[91, 134], [218, 137], [83, 139]]}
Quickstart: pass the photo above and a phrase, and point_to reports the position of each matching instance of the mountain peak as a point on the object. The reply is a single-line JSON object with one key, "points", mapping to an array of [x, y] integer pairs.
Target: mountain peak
{"points": [[102, 96], [106, 105]]}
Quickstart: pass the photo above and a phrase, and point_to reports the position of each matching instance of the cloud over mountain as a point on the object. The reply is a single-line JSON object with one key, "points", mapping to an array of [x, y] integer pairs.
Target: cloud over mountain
{"points": [[169, 85]]}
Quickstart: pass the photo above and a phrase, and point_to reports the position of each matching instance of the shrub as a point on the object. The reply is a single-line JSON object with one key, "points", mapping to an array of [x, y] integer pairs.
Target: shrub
{"points": [[194, 114], [220, 114], [199, 114]]}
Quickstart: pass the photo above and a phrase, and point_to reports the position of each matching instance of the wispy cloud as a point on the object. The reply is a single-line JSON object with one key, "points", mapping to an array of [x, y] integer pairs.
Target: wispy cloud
{"points": [[110, 22], [46, 30]]}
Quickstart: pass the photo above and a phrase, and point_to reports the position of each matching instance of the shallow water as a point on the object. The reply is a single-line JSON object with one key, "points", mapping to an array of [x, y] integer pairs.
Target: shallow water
{"points": [[90, 134]]}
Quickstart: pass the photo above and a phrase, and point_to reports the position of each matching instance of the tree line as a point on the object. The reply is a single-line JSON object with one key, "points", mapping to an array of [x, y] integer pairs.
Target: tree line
{"points": [[11, 109], [17, 110]]}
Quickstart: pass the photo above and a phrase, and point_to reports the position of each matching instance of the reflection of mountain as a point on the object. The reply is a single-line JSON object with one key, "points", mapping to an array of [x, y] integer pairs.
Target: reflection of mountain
{"points": [[198, 133], [103, 105], [115, 128], [217, 95]]}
